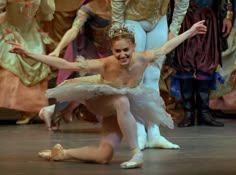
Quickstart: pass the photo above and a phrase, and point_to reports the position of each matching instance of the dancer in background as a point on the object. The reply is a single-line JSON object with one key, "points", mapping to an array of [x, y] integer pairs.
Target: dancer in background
{"points": [[223, 98], [24, 81], [151, 31], [197, 59], [86, 37], [118, 85]]}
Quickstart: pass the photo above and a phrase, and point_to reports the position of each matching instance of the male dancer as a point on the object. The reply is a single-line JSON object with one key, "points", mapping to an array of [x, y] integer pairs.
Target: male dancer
{"points": [[151, 31]]}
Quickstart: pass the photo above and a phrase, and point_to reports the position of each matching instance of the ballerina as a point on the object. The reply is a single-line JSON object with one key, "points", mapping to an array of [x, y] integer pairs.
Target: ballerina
{"points": [[115, 93]]}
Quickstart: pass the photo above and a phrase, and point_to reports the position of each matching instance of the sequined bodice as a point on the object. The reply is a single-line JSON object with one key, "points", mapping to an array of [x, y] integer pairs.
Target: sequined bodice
{"points": [[144, 10]]}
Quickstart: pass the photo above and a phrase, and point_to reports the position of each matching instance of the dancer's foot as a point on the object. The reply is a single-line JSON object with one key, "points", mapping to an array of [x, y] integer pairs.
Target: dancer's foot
{"points": [[23, 121], [46, 115], [56, 153], [45, 154], [135, 162], [25, 118], [161, 142]]}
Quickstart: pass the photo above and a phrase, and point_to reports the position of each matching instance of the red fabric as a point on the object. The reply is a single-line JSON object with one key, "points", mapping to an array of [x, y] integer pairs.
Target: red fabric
{"points": [[69, 56]]}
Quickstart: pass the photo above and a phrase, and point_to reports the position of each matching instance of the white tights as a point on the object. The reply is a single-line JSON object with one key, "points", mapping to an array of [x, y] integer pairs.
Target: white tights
{"points": [[148, 36]]}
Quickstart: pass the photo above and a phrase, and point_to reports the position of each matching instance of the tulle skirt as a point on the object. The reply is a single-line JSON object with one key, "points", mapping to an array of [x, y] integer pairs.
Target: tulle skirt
{"points": [[145, 103]]}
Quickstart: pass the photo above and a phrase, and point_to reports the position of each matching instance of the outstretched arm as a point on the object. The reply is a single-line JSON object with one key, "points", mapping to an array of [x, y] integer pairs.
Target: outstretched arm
{"points": [[197, 28], [71, 34], [95, 65]]}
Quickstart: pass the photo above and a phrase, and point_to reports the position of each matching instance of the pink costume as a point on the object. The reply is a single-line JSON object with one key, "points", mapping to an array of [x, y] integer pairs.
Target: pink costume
{"points": [[24, 81]]}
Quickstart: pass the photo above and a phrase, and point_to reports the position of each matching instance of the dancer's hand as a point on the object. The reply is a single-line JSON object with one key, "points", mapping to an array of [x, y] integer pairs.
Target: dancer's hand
{"points": [[227, 26], [170, 35], [198, 28], [55, 53], [233, 76], [17, 49]]}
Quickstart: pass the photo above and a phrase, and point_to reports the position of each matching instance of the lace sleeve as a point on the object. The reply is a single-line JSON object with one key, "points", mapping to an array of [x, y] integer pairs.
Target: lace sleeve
{"points": [[181, 7], [83, 65], [81, 18], [118, 9], [46, 10]]}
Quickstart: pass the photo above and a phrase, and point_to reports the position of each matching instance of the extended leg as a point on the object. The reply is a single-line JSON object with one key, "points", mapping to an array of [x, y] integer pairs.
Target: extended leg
{"points": [[187, 93], [111, 137], [140, 38], [127, 124], [151, 79]]}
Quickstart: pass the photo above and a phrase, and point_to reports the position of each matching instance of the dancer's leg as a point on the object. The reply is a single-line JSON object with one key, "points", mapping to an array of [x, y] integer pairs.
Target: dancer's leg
{"points": [[140, 38], [46, 113], [155, 140], [140, 35], [155, 38], [111, 137], [142, 135], [127, 124]]}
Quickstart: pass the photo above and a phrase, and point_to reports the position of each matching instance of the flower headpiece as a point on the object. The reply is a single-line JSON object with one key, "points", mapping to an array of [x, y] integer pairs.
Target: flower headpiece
{"points": [[119, 29]]}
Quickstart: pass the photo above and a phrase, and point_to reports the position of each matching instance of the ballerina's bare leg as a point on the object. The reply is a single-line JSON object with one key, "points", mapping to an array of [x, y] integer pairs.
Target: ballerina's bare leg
{"points": [[113, 129], [111, 137]]}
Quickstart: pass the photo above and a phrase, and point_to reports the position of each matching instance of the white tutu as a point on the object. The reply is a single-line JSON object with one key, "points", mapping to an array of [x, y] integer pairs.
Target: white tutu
{"points": [[145, 104]]}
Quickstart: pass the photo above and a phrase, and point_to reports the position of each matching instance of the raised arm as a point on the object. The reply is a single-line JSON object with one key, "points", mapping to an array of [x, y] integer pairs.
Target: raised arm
{"points": [[181, 7], [71, 34], [93, 66], [197, 28]]}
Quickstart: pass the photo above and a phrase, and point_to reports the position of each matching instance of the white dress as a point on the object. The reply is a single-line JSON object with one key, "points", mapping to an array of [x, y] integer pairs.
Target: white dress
{"points": [[145, 104]]}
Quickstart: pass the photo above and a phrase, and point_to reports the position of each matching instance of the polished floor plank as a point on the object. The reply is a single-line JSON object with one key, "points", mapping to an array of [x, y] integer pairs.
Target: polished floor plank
{"points": [[204, 151]]}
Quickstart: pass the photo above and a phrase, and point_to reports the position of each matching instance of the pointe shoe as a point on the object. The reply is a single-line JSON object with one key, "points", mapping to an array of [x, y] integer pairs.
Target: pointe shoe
{"points": [[23, 121], [45, 154], [131, 165], [135, 162], [57, 153], [25, 118]]}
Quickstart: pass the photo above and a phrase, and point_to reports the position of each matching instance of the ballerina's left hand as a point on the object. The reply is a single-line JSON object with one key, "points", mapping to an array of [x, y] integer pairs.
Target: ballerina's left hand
{"points": [[198, 28]]}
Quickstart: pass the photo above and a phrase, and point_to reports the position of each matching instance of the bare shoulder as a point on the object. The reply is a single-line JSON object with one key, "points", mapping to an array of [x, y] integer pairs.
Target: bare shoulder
{"points": [[107, 60], [140, 56]]}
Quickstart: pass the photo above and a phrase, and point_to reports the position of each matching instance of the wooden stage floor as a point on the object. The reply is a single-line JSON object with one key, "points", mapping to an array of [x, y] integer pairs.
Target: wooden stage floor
{"points": [[204, 151]]}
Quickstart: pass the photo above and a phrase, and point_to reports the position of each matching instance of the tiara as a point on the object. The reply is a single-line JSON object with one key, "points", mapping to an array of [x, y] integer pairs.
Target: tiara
{"points": [[119, 29]]}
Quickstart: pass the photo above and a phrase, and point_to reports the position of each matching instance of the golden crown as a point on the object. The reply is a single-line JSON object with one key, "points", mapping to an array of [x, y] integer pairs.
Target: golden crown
{"points": [[119, 29]]}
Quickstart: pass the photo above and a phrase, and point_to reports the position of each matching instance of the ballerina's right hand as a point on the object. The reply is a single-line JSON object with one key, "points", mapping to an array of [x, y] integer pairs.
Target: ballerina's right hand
{"points": [[17, 49]]}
